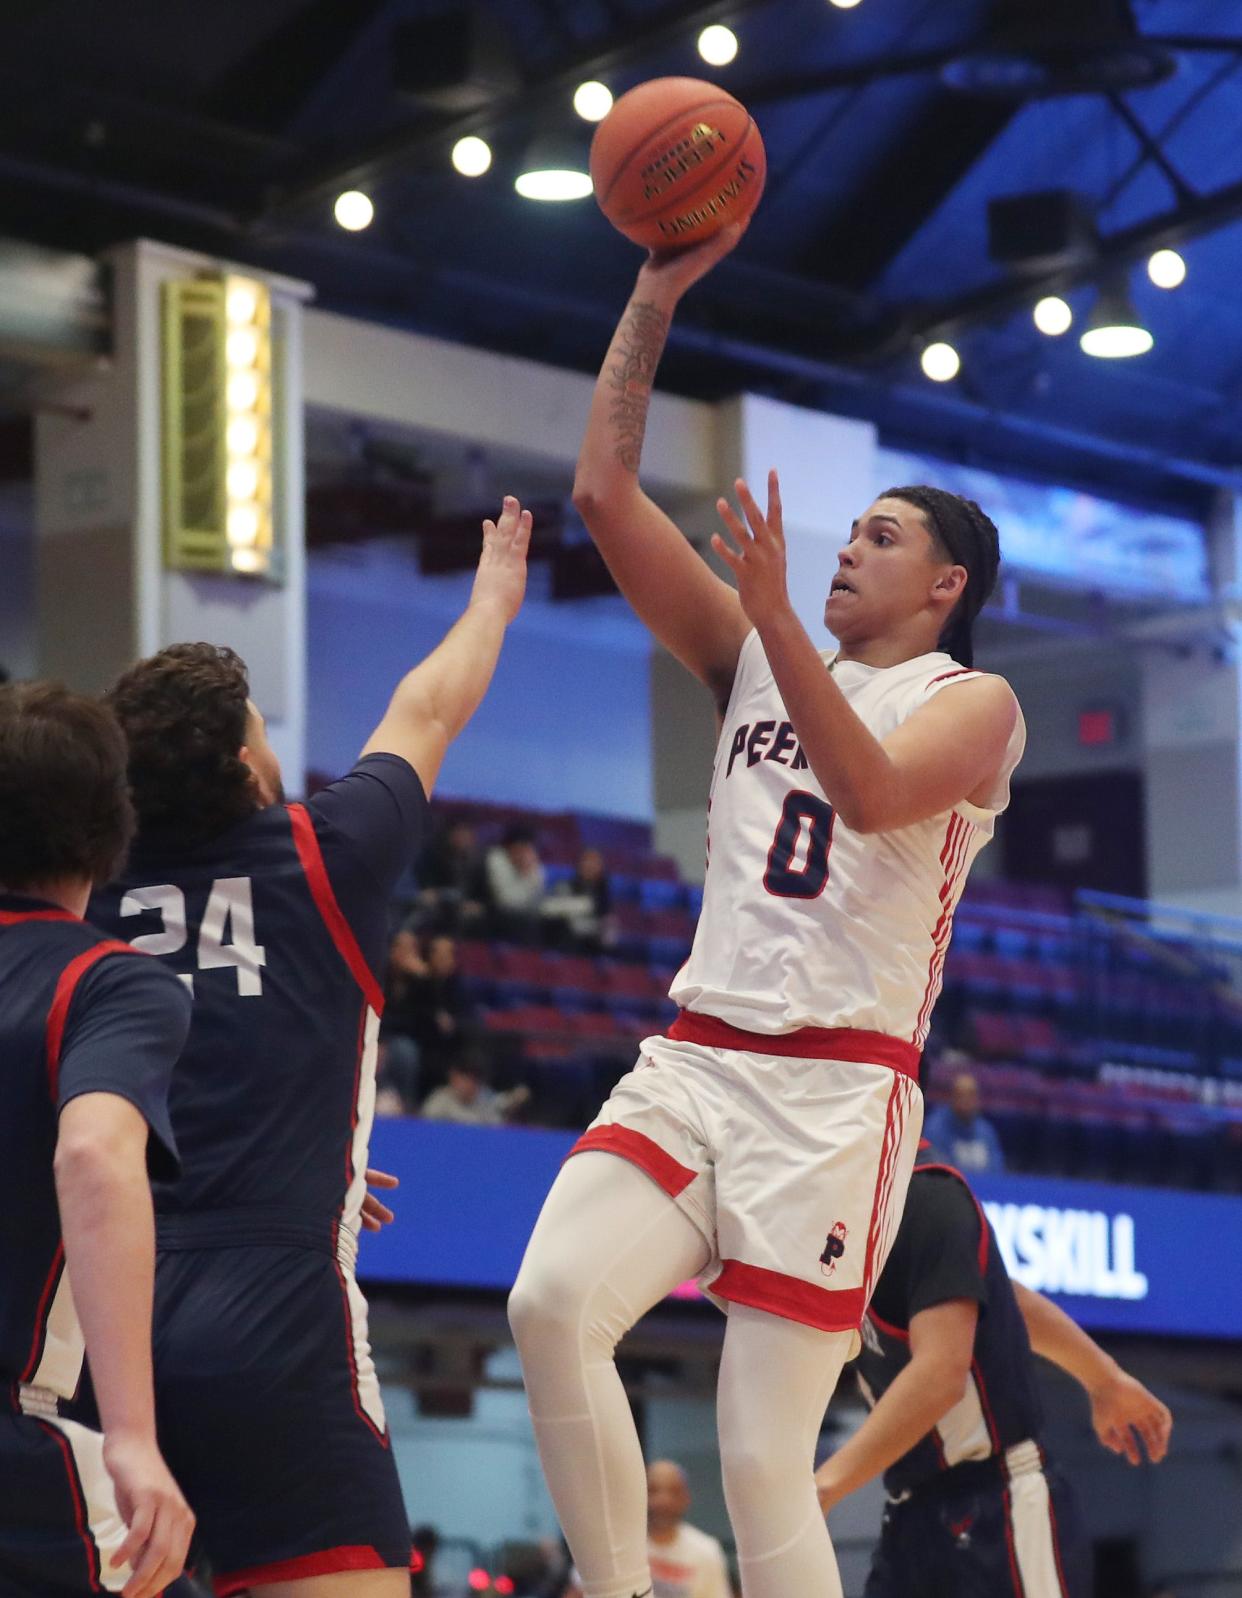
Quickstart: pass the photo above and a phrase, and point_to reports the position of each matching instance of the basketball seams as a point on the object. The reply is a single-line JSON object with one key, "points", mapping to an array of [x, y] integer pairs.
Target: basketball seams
{"points": [[686, 199], [653, 134]]}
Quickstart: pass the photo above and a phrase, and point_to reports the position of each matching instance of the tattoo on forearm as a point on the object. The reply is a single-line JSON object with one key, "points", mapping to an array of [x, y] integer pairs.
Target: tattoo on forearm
{"points": [[638, 347]]}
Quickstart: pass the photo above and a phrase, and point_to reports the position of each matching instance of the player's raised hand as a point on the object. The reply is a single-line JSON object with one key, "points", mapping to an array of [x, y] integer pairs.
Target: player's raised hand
{"points": [[1122, 1411], [756, 551], [672, 272], [501, 574], [375, 1213], [159, 1521]]}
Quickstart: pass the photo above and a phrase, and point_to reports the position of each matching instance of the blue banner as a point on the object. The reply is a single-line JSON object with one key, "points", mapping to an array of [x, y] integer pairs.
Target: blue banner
{"points": [[1124, 1259]]}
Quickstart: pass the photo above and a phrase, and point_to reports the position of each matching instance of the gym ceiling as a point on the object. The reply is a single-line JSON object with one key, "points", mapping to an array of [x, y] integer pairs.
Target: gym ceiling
{"points": [[231, 126]]}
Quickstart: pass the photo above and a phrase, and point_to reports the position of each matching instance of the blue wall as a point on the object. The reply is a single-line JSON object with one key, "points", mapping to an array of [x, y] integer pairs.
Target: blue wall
{"points": [[566, 724], [1116, 1258]]}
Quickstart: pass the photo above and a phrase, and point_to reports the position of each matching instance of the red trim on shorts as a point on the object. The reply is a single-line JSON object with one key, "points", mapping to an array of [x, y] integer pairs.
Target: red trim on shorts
{"points": [[962, 671], [328, 1562], [807, 1043], [889, 1145], [311, 856], [59, 1013], [640, 1150], [350, 1173], [1015, 1574], [827, 1309], [79, 1508], [1056, 1536]]}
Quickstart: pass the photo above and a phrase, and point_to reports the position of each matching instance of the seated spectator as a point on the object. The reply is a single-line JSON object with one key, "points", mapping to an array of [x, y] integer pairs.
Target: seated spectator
{"points": [[466, 1099], [959, 1134], [400, 1056], [516, 885], [452, 889], [583, 904]]}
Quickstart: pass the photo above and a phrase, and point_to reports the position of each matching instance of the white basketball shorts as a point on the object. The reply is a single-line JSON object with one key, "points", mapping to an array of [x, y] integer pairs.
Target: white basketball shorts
{"points": [[791, 1154]]}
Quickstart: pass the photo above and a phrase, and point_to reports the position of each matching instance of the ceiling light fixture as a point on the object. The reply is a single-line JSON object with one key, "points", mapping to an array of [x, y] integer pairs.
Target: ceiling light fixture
{"points": [[1053, 315], [353, 210], [940, 362], [471, 156], [1166, 269], [718, 45], [592, 101], [554, 169], [1114, 331], [846, 5]]}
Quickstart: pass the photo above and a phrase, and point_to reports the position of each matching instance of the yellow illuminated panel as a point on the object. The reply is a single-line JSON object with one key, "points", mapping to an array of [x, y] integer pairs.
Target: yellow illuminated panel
{"points": [[217, 405]]}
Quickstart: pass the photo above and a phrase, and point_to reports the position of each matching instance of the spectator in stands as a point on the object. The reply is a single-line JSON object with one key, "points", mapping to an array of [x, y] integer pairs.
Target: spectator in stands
{"points": [[960, 1134], [466, 1099], [583, 904], [453, 890], [516, 886], [685, 1562], [400, 1057]]}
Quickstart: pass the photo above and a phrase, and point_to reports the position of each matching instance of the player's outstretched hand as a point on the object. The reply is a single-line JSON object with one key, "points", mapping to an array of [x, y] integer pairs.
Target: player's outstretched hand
{"points": [[1122, 1411], [501, 576], [376, 1214], [159, 1520], [755, 551], [672, 272]]}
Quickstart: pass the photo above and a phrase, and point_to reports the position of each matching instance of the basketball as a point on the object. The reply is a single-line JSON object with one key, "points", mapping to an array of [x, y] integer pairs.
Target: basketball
{"points": [[674, 161]]}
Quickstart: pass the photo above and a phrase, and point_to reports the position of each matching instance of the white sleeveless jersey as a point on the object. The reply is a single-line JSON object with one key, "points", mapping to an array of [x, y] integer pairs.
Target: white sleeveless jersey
{"points": [[805, 923]]}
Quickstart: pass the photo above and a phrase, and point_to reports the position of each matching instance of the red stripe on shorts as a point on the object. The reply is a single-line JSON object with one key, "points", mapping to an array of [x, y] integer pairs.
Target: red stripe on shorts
{"points": [[328, 1562], [827, 1309], [807, 1043], [640, 1150]]}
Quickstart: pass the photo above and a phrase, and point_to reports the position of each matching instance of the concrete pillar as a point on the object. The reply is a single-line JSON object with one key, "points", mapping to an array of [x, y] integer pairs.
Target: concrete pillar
{"points": [[1192, 723], [104, 594]]}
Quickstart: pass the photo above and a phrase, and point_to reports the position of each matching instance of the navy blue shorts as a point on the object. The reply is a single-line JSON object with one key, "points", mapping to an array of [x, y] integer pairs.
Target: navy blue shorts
{"points": [[982, 1536], [270, 1414], [58, 1518]]}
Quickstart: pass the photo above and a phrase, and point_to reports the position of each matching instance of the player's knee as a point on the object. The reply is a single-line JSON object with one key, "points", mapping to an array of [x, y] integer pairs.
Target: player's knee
{"points": [[543, 1310], [751, 1474]]}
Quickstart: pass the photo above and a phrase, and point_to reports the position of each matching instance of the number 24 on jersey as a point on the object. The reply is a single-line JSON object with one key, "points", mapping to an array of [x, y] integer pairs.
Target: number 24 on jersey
{"points": [[225, 934]]}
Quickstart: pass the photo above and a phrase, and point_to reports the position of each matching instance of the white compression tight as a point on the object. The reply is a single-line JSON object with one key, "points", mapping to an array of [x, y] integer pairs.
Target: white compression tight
{"points": [[609, 1244]]}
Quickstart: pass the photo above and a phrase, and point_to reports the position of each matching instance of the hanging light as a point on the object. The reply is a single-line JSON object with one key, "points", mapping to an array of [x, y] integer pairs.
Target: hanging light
{"points": [[1053, 315], [554, 169], [353, 210], [718, 45], [845, 5], [471, 156], [1113, 330], [940, 362], [592, 101], [1166, 269]]}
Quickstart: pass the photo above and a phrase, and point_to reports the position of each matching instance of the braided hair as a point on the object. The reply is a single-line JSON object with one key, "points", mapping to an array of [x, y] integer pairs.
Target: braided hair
{"points": [[970, 538]]}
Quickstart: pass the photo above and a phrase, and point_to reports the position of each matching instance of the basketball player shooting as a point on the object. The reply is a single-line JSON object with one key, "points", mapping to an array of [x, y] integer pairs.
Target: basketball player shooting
{"points": [[764, 1144]]}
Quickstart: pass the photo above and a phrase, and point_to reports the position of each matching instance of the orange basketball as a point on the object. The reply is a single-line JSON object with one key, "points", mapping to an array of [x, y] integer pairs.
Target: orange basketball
{"points": [[675, 160]]}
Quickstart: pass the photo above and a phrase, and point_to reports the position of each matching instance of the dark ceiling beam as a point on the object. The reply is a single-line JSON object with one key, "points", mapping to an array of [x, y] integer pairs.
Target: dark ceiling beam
{"points": [[322, 180], [949, 138], [313, 46], [1152, 149], [1204, 214]]}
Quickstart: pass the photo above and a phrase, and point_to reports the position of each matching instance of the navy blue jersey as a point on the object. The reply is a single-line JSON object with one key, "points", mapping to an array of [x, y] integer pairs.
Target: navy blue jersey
{"points": [[79, 1013], [944, 1250], [279, 927]]}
